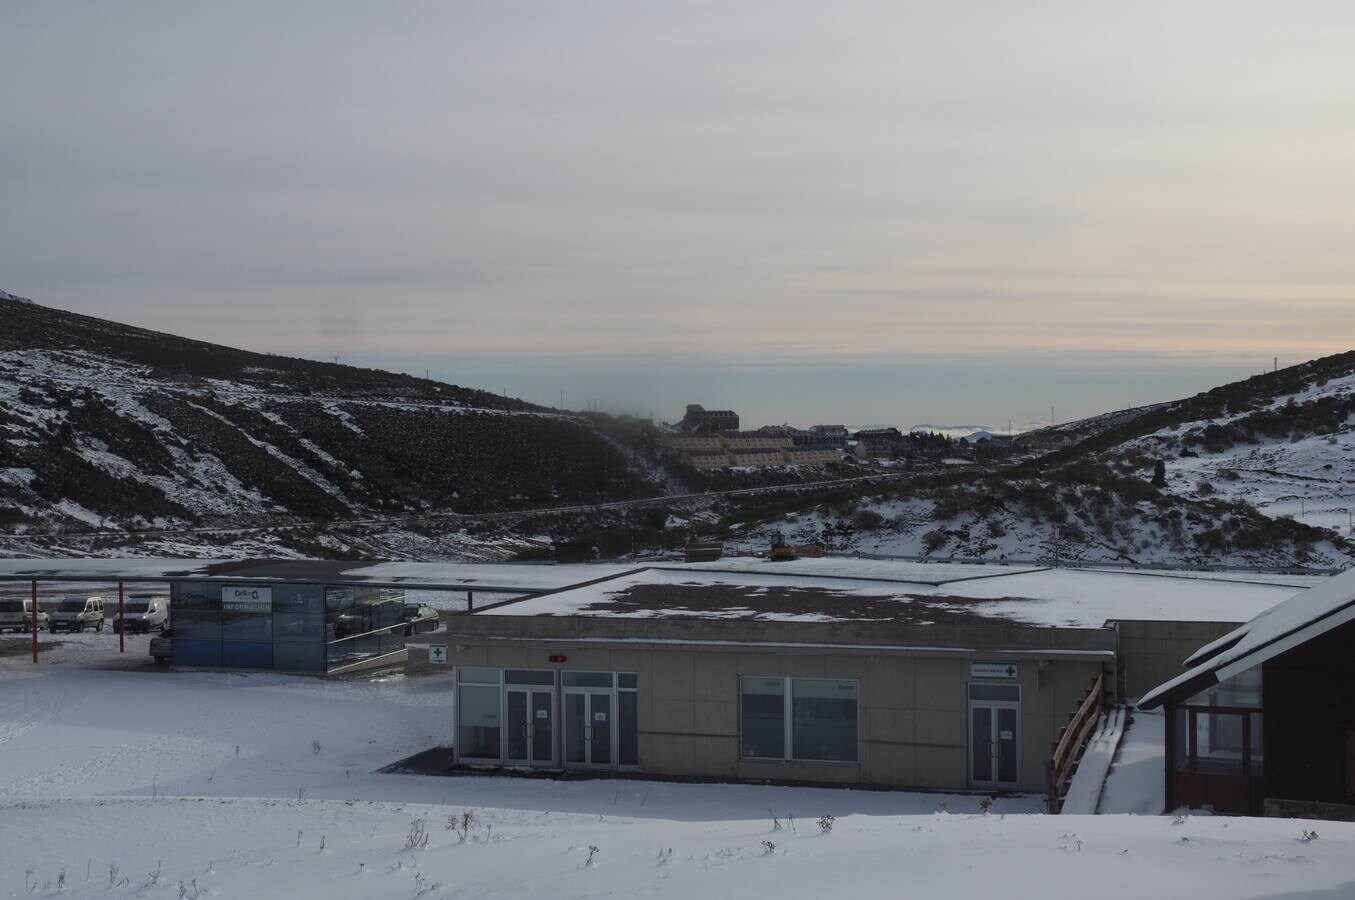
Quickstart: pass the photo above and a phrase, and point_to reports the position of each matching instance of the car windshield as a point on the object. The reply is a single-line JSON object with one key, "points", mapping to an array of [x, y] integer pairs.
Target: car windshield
{"points": [[138, 607], [11, 606], [71, 606]]}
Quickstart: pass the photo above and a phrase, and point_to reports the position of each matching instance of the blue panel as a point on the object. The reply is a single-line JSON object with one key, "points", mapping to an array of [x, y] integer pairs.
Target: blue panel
{"points": [[247, 655], [195, 653], [296, 657], [306, 628], [197, 625], [298, 599]]}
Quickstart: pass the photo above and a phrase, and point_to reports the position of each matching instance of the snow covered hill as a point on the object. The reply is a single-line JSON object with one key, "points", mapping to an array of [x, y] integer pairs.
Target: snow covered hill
{"points": [[1257, 473], [1293, 456], [117, 429]]}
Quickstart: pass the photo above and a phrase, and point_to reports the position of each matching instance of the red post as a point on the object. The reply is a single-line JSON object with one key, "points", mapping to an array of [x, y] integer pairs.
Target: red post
{"points": [[33, 617], [122, 622]]}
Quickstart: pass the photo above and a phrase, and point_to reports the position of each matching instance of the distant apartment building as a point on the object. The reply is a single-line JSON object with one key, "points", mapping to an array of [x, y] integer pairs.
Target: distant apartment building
{"points": [[827, 436], [756, 440], [756, 456], [700, 420], [745, 448], [706, 459], [811, 456], [880, 443], [691, 443]]}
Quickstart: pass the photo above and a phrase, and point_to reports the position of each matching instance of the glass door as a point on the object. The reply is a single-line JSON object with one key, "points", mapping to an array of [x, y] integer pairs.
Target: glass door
{"points": [[516, 723], [981, 744], [1006, 745], [994, 744], [529, 727], [588, 728], [541, 729]]}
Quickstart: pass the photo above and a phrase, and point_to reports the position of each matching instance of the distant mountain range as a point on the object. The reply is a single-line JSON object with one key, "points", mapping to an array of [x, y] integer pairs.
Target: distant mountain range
{"points": [[147, 443]]}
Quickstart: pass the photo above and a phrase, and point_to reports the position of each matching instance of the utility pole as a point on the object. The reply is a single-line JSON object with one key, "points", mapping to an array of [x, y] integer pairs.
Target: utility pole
{"points": [[1275, 364], [562, 399]]}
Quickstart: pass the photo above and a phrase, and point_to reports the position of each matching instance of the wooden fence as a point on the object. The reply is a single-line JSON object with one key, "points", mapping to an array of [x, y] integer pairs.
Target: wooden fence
{"points": [[1067, 750]]}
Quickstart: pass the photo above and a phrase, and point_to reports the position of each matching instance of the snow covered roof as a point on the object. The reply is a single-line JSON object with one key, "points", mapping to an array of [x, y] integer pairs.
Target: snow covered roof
{"points": [[843, 590], [1277, 630], [490, 578], [826, 589]]}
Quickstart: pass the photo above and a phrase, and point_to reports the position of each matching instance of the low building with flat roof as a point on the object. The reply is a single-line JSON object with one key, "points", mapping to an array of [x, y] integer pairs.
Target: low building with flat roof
{"points": [[905, 675]]}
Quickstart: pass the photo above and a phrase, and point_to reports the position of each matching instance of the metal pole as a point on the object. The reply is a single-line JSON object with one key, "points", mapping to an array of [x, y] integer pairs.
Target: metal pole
{"points": [[33, 617], [470, 601], [122, 622]]}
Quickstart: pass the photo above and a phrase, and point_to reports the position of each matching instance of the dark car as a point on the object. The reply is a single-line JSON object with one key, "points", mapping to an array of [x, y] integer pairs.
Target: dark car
{"points": [[162, 646], [420, 619]]}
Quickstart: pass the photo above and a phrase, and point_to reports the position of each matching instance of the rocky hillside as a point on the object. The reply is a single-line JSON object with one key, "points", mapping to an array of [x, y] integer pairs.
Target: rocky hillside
{"points": [[1256, 473], [112, 428]]}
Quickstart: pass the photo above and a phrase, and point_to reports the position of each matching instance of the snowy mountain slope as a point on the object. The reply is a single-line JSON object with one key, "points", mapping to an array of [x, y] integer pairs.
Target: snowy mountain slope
{"points": [[1258, 473], [1293, 456], [112, 428], [1043, 521]]}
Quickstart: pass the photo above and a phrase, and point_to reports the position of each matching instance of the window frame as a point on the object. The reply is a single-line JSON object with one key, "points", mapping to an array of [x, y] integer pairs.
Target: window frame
{"points": [[788, 721]]}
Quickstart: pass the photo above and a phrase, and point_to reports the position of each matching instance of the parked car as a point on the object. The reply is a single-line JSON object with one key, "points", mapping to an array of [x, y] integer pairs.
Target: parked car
{"points": [[77, 614], [144, 613], [162, 646], [15, 614], [420, 618]]}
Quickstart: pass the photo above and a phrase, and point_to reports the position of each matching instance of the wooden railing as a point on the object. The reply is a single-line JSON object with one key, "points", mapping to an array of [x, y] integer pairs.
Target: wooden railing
{"points": [[1067, 750]]}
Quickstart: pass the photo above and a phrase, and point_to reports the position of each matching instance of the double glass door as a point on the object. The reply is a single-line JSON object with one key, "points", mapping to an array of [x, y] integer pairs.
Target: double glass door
{"points": [[588, 720], [994, 739], [529, 727]]}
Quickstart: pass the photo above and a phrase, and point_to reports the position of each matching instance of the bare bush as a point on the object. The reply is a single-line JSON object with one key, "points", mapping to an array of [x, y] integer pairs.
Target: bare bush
{"points": [[417, 838]]}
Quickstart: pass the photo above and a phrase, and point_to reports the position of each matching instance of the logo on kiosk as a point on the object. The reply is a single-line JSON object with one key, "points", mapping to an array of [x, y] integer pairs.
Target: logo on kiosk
{"points": [[247, 599]]}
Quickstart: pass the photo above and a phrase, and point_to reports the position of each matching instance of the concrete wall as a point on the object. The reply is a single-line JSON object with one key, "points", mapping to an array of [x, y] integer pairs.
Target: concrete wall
{"points": [[1152, 652], [913, 718]]}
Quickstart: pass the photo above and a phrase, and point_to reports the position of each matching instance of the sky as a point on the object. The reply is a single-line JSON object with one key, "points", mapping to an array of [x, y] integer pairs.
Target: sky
{"points": [[810, 212]]}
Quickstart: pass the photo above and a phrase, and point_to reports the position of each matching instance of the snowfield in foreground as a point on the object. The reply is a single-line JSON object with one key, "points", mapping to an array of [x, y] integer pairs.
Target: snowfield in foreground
{"points": [[132, 782]]}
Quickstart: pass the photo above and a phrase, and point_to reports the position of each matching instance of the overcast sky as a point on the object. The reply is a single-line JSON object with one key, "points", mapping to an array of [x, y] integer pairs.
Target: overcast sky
{"points": [[943, 212]]}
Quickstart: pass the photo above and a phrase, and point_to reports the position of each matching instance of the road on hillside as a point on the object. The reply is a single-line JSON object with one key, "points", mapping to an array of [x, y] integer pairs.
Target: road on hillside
{"points": [[488, 516]]}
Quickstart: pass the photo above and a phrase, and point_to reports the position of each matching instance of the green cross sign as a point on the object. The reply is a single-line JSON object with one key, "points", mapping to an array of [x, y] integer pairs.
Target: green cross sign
{"points": [[1004, 670]]}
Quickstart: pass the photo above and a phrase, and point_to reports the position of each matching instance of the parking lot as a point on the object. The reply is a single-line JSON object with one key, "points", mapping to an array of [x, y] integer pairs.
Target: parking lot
{"points": [[91, 647]]}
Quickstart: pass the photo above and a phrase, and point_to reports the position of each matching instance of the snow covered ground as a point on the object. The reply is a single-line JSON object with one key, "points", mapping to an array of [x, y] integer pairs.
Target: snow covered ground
{"points": [[119, 780], [1136, 783]]}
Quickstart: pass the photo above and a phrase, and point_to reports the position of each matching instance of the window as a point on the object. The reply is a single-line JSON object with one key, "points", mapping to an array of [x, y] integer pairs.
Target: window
{"points": [[628, 718], [764, 718], [529, 676], [587, 679], [823, 719], [1010, 693], [477, 712], [799, 719]]}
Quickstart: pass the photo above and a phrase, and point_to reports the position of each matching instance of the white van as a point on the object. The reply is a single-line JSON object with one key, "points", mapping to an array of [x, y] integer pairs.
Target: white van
{"points": [[77, 614], [144, 613], [14, 614]]}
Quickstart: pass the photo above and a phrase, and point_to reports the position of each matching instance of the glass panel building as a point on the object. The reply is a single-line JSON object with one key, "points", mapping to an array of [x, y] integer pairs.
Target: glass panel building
{"points": [[289, 627]]}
